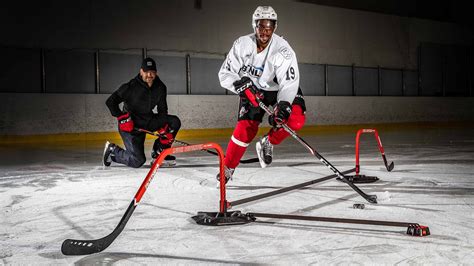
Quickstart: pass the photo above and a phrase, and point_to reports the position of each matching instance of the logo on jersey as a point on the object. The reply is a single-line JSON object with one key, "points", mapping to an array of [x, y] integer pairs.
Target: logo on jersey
{"points": [[242, 111], [252, 70], [228, 64], [285, 52]]}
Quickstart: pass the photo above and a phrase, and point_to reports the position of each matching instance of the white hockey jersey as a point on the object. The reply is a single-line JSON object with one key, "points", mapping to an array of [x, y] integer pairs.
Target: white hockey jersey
{"points": [[273, 69]]}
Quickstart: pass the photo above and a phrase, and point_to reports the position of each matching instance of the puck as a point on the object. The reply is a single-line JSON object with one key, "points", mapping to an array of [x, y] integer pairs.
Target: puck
{"points": [[358, 206]]}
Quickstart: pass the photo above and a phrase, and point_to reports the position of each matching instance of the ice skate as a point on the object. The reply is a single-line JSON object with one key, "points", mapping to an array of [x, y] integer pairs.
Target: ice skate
{"points": [[264, 151], [228, 172], [169, 160], [108, 152]]}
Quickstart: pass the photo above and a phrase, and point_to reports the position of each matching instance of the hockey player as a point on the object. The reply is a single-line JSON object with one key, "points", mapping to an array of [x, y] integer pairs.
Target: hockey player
{"points": [[262, 65], [139, 97]]}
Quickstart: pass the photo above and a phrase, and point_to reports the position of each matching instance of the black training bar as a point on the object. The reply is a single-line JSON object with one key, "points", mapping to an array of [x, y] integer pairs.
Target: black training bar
{"points": [[413, 229], [329, 219], [285, 189]]}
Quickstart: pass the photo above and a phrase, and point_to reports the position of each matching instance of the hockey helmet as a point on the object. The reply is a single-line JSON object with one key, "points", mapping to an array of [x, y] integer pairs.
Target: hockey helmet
{"points": [[264, 12]]}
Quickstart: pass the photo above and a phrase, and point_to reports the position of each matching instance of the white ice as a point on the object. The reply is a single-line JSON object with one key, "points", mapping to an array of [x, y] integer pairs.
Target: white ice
{"points": [[49, 193]]}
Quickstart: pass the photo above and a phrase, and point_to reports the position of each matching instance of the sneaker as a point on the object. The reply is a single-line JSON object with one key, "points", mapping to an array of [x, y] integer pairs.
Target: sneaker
{"points": [[108, 152], [228, 172], [264, 151], [169, 160]]}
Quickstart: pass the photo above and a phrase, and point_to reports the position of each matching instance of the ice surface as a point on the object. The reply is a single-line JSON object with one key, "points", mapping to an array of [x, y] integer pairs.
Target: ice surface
{"points": [[383, 197], [50, 193]]}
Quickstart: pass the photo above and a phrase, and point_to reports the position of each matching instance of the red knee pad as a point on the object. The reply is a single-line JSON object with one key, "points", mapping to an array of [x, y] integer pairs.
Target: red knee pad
{"points": [[246, 130], [295, 122], [297, 118]]}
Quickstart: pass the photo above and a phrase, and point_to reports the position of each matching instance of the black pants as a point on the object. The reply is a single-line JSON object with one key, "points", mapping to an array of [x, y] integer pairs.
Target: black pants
{"points": [[134, 153]]}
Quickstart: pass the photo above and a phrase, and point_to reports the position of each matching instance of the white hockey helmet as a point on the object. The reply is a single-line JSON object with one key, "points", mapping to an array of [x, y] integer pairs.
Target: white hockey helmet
{"points": [[264, 12]]}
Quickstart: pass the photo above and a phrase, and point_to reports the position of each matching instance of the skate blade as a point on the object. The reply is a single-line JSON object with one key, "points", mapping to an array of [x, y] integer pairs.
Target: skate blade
{"points": [[218, 185], [258, 147], [165, 164], [103, 155], [168, 164]]}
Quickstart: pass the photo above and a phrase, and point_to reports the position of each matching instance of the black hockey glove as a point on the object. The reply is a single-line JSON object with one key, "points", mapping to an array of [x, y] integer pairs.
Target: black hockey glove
{"points": [[125, 123], [280, 114], [166, 136], [246, 89]]}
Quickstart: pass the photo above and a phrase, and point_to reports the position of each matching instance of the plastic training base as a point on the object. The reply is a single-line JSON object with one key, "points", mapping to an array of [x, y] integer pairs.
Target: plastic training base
{"points": [[360, 179], [418, 230], [222, 218]]}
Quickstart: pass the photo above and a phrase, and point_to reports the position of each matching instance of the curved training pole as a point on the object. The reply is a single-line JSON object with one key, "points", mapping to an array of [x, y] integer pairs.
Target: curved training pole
{"points": [[379, 144], [84, 247], [357, 166]]}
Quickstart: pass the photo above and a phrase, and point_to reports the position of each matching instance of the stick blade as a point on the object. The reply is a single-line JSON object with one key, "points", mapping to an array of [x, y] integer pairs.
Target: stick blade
{"points": [[372, 199], [362, 179], [83, 247], [390, 167], [251, 160], [219, 218]]}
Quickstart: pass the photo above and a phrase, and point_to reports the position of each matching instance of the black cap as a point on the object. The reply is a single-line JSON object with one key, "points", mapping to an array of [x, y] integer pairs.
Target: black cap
{"points": [[148, 64]]}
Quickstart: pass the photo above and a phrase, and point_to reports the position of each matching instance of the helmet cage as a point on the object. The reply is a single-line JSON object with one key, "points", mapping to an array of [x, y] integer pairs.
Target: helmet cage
{"points": [[264, 12]]}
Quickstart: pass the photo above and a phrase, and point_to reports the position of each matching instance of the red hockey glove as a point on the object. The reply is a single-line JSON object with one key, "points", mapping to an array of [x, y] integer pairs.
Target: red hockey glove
{"points": [[280, 114], [246, 89], [166, 136], [125, 123]]}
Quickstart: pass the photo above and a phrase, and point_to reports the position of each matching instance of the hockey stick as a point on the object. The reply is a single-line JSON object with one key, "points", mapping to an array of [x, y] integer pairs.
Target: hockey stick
{"points": [[341, 176], [285, 189], [252, 160], [85, 247]]}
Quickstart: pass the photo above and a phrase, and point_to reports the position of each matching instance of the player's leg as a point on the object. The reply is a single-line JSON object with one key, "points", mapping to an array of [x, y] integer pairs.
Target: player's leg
{"points": [[295, 122], [263, 147], [276, 135], [245, 131], [133, 155]]}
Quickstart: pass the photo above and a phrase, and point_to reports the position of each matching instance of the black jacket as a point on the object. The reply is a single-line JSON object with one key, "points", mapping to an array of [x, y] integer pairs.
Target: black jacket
{"points": [[139, 100]]}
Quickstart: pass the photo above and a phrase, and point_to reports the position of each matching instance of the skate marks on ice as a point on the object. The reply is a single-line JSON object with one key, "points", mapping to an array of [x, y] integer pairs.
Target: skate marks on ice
{"points": [[40, 178], [110, 258], [44, 177], [437, 192]]}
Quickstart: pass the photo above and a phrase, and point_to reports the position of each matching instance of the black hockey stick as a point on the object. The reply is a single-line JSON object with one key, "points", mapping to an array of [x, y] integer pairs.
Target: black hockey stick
{"points": [[341, 176], [84, 247], [389, 167], [285, 189], [252, 160]]}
